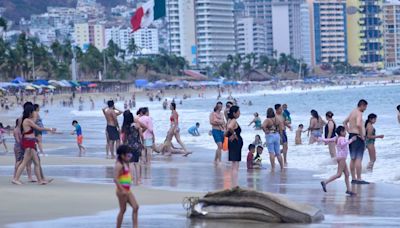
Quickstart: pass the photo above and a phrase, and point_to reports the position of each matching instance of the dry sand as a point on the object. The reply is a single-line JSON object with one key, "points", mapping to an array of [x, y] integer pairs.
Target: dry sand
{"points": [[31, 202]]}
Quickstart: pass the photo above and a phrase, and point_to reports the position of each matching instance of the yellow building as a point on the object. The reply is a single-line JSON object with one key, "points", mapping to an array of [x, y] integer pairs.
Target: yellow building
{"points": [[89, 33], [364, 33]]}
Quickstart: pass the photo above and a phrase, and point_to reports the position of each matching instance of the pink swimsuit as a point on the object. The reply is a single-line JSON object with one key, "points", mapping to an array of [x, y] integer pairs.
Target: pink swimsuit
{"points": [[342, 149]]}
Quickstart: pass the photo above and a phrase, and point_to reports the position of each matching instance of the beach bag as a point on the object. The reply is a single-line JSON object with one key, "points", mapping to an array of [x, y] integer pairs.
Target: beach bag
{"points": [[225, 144]]}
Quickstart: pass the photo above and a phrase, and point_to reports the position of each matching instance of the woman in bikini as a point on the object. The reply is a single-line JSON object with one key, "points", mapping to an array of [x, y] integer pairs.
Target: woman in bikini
{"points": [[174, 118], [272, 128], [28, 143]]}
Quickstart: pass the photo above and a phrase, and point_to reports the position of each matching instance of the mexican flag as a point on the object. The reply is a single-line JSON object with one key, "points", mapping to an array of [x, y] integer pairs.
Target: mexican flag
{"points": [[147, 13]]}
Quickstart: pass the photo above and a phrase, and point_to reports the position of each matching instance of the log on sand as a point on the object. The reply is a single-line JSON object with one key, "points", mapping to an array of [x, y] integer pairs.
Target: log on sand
{"points": [[237, 203]]}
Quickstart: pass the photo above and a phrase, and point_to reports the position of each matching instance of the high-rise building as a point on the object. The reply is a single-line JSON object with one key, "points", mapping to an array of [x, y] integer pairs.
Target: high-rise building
{"points": [[391, 33], [89, 33], [364, 33], [181, 29], [215, 32], [306, 35], [146, 39], [330, 31], [250, 37], [286, 29], [282, 24]]}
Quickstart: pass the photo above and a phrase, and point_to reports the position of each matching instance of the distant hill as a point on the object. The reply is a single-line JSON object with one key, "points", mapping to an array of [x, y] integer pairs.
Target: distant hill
{"points": [[16, 9]]}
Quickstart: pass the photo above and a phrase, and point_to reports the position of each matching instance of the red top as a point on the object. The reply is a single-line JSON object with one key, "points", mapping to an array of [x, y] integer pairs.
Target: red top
{"points": [[172, 118]]}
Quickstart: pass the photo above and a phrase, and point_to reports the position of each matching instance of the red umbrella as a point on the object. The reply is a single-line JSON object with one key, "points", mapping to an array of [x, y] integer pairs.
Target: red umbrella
{"points": [[92, 85]]}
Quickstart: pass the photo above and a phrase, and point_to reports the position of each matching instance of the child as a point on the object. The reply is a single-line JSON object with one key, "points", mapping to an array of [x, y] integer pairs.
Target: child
{"points": [[257, 158], [257, 141], [123, 181], [194, 131], [342, 150], [2, 139], [298, 134], [250, 156], [370, 139], [79, 137]]}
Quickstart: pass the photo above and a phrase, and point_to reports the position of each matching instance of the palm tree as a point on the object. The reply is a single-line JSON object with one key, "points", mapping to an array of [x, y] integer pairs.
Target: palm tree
{"points": [[3, 24], [264, 63], [132, 47], [283, 62]]}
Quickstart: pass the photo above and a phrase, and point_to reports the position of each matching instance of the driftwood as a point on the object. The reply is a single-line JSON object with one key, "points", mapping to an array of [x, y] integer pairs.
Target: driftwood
{"points": [[239, 203]]}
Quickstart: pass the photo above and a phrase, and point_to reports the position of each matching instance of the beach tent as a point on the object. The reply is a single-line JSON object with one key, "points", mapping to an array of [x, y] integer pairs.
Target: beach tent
{"points": [[141, 83], [18, 80], [74, 83], [41, 82]]}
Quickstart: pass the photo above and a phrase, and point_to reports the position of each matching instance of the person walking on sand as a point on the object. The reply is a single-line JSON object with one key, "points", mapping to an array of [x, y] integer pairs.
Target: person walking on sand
{"points": [[28, 143], [19, 152], [111, 114], [284, 139], [2, 139], [370, 139], [355, 127], [174, 119], [272, 127], [123, 181], [79, 137], [342, 152], [218, 127], [235, 143], [38, 134], [330, 128]]}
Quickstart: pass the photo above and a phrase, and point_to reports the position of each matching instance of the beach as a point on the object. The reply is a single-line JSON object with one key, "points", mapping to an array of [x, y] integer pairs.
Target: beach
{"points": [[83, 186]]}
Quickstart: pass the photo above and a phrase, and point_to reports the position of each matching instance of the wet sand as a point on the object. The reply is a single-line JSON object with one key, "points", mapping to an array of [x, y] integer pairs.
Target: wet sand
{"points": [[375, 204], [59, 199]]}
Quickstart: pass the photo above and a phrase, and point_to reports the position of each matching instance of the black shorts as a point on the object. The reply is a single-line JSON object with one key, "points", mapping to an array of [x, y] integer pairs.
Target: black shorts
{"points": [[135, 156], [357, 147], [113, 133]]}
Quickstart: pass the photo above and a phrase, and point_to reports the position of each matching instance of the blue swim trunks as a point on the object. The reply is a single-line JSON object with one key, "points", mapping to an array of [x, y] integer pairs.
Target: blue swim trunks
{"points": [[218, 135]]}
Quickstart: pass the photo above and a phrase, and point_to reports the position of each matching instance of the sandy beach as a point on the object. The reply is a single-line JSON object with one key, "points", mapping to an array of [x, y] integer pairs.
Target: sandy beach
{"points": [[61, 198]]}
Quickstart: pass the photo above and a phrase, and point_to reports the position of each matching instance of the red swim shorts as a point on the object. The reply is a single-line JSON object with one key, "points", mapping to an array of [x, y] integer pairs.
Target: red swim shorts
{"points": [[79, 139]]}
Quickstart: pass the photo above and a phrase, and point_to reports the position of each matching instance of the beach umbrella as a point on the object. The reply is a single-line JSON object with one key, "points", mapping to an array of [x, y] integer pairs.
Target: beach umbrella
{"points": [[36, 86], [92, 85], [74, 83], [18, 80], [41, 82], [29, 87]]}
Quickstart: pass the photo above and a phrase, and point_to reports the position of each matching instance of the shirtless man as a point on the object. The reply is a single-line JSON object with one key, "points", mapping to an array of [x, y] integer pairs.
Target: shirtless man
{"points": [[284, 139], [112, 129], [218, 127], [355, 127]]}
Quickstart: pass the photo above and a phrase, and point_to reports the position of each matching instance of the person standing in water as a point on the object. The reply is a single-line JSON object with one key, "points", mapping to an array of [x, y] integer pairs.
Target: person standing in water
{"points": [[235, 143], [315, 128], [111, 114], [284, 139], [272, 128], [329, 131], [355, 127], [228, 105], [2, 139], [256, 121], [398, 113], [123, 181], [79, 137], [218, 127], [174, 119], [146, 122], [370, 139]]}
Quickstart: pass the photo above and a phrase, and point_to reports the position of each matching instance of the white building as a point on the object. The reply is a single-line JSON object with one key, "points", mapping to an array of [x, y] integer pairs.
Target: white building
{"points": [[90, 33], [391, 34], [306, 35], [286, 29], [45, 36], [146, 39], [215, 32], [250, 36], [181, 29]]}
